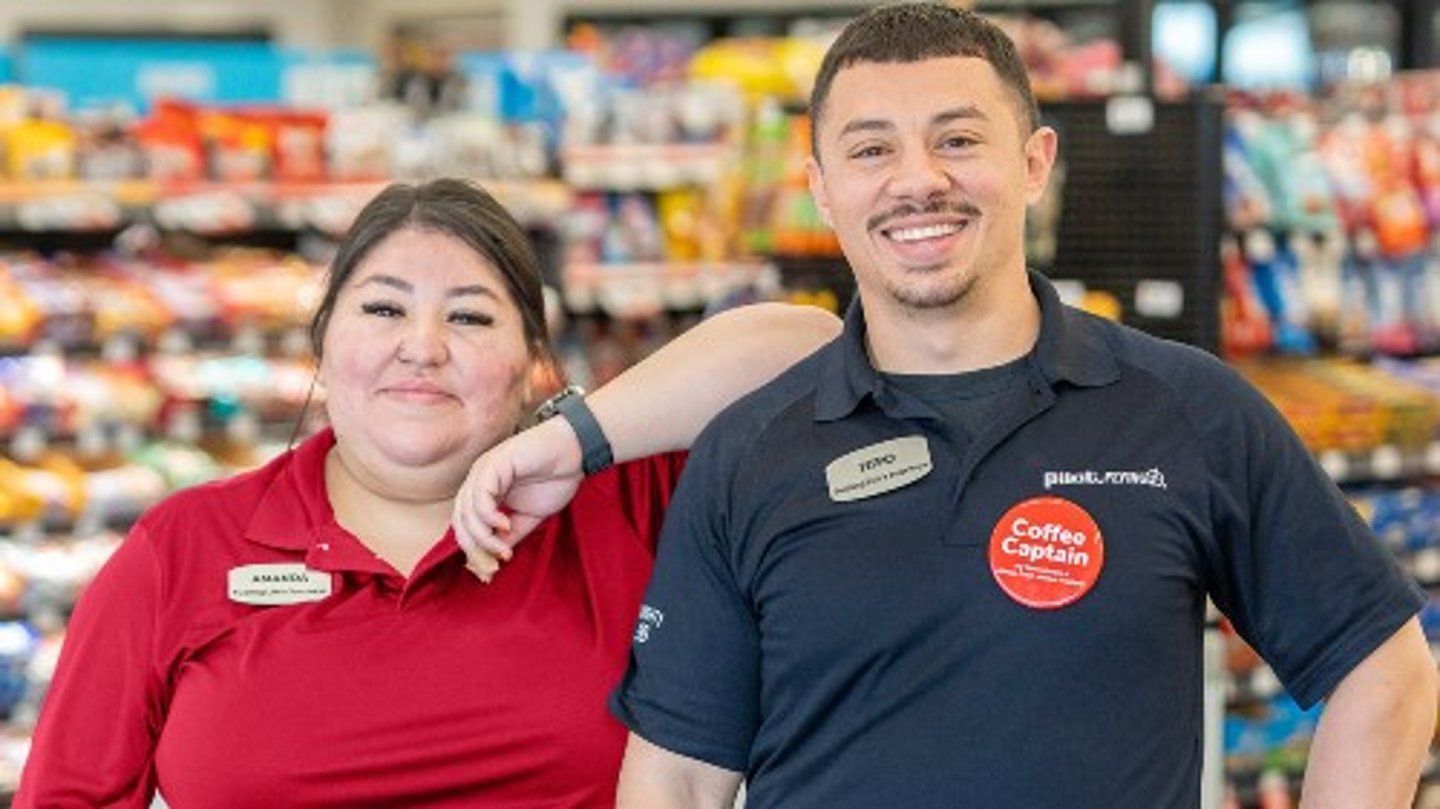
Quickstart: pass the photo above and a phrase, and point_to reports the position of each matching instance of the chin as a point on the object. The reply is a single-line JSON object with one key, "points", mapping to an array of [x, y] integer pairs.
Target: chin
{"points": [[420, 454], [931, 296]]}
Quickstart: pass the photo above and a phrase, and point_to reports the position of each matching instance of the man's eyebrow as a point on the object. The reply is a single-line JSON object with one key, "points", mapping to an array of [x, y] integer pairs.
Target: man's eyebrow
{"points": [[865, 125], [961, 113]]}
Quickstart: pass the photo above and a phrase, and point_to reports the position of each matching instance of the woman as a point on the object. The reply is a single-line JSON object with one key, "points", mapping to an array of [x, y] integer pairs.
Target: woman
{"points": [[307, 633]]}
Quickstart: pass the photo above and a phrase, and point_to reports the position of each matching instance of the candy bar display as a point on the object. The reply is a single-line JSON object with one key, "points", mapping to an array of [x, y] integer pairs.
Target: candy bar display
{"points": [[124, 377]]}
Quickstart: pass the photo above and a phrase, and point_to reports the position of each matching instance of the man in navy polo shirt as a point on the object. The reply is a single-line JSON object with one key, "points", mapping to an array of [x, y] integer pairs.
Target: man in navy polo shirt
{"points": [[961, 556]]}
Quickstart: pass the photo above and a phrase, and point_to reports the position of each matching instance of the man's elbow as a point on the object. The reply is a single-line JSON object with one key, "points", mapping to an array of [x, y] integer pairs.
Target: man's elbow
{"points": [[1399, 683], [652, 777]]}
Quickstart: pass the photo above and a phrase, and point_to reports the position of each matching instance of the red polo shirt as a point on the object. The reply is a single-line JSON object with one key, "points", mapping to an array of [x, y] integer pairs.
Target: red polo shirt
{"points": [[430, 691]]}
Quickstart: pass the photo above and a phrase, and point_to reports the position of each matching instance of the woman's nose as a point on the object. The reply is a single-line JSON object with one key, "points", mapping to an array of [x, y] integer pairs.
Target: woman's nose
{"points": [[422, 343]]}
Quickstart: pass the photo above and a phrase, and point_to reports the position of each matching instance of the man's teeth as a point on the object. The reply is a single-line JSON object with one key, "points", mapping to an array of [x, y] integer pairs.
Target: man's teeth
{"points": [[926, 232]]}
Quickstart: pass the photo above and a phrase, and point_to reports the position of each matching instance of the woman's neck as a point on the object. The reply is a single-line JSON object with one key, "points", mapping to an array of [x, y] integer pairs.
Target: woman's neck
{"points": [[398, 525]]}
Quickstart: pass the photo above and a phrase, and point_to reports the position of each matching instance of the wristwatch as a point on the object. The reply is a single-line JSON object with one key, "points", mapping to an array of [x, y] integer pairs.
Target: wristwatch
{"points": [[569, 404]]}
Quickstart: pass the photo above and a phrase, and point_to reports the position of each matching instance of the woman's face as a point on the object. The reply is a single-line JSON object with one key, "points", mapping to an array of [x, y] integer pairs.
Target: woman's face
{"points": [[425, 362]]}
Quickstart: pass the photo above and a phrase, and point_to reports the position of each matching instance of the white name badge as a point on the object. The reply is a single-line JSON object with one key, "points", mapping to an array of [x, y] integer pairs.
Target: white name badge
{"points": [[273, 584], [878, 468]]}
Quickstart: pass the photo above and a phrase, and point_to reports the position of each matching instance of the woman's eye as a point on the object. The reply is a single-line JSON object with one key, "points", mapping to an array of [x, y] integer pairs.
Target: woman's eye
{"points": [[471, 319], [380, 309]]}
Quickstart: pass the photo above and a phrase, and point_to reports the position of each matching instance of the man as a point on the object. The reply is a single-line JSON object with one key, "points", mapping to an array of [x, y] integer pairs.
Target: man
{"points": [[961, 556]]}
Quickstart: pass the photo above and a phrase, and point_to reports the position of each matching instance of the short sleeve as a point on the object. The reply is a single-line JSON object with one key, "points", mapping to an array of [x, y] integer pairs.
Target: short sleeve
{"points": [[692, 685], [1298, 572], [95, 741]]}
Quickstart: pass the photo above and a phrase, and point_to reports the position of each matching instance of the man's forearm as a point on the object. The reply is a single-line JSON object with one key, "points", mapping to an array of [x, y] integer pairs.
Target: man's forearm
{"points": [[1375, 729], [663, 402], [652, 777]]}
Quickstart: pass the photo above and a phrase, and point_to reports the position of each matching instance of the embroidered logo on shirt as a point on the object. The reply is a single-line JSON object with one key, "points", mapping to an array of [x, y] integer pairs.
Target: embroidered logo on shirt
{"points": [[650, 620], [1090, 477], [276, 584], [878, 468]]}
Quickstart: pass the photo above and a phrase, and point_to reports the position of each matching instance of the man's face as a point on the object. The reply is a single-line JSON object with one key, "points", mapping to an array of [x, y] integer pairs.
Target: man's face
{"points": [[924, 171]]}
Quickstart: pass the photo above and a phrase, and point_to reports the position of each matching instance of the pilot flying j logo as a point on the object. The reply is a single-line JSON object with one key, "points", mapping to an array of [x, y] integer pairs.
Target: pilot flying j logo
{"points": [[650, 620], [1046, 552], [1092, 477]]}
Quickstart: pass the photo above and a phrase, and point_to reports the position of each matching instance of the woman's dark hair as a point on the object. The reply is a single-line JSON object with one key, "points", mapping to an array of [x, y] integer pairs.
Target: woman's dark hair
{"points": [[458, 209], [914, 32]]}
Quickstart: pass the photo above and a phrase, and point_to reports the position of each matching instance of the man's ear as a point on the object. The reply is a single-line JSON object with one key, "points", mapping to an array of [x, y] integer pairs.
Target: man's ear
{"points": [[1040, 150], [815, 176]]}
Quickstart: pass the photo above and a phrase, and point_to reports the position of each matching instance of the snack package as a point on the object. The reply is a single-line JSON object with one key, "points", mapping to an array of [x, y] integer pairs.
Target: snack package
{"points": [[107, 148], [41, 149], [65, 315], [299, 146], [124, 307], [361, 143], [1244, 325], [238, 145], [1273, 268], [171, 142], [20, 315], [263, 290], [1246, 198]]}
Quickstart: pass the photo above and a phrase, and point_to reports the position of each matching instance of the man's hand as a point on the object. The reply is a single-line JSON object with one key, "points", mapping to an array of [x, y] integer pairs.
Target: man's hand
{"points": [[511, 488]]}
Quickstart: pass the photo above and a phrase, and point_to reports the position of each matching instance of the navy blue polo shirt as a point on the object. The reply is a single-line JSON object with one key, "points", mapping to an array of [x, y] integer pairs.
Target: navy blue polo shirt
{"points": [[862, 641]]}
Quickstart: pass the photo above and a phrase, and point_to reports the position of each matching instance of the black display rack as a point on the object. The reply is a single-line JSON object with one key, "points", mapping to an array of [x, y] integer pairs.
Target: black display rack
{"points": [[1141, 213]]}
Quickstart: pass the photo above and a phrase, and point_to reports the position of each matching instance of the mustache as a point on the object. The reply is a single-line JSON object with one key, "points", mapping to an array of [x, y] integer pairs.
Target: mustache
{"points": [[933, 206]]}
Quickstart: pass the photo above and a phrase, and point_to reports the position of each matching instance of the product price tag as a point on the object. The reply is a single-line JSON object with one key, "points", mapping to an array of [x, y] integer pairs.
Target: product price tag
{"points": [[1130, 115], [1386, 462], [216, 212], [1335, 464], [78, 212]]}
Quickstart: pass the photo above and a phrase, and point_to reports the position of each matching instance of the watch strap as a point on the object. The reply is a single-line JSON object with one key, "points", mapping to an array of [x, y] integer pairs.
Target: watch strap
{"points": [[595, 453]]}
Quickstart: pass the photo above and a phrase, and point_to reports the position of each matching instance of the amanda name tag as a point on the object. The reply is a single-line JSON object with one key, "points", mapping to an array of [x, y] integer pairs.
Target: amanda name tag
{"points": [[878, 468], [277, 583]]}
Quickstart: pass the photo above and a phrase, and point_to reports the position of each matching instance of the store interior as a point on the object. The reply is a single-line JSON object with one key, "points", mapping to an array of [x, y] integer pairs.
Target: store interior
{"points": [[1260, 178]]}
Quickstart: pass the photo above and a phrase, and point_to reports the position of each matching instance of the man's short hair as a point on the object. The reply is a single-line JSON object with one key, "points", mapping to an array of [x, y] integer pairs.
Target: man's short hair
{"points": [[914, 32]]}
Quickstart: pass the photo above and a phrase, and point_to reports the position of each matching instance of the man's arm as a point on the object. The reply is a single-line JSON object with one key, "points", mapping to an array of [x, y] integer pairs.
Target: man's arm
{"points": [[652, 777], [1375, 729], [664, 401], [660, 404]]}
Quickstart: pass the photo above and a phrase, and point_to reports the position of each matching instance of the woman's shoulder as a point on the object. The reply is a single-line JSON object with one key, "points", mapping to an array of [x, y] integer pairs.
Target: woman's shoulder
{"points": [[216, 505]]}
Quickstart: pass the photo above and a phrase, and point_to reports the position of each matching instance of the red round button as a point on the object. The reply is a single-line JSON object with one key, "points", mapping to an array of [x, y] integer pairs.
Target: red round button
{"points": [[1046, 552]]}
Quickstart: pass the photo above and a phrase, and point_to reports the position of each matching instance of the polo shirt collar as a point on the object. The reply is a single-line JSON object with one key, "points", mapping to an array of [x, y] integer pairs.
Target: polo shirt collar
{"points": [[295, 507], [1072, 346], [846, 376], [1069, 349]]}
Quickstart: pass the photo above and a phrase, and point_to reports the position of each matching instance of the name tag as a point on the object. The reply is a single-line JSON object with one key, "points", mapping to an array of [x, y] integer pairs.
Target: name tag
{"points": [[274, 584], [878, 468]]}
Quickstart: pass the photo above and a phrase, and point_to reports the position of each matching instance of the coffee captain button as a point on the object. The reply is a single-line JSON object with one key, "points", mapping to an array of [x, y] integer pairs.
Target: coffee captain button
{"points": [[1046, 552]]}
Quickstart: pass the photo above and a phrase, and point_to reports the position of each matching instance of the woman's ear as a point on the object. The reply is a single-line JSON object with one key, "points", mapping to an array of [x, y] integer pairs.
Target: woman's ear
{"points": [[542, 381]]}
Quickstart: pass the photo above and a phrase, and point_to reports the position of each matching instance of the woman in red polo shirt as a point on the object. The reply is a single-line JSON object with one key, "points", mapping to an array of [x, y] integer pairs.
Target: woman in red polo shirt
{"points": [[307, 633]]}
